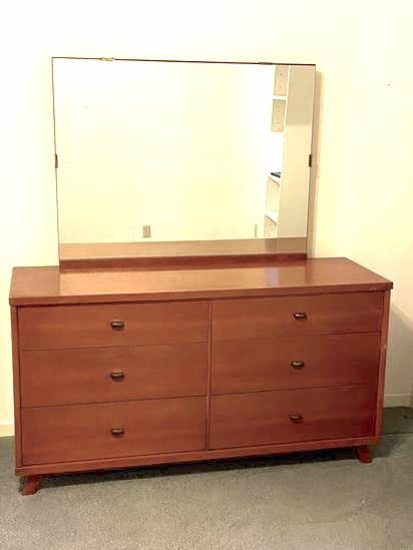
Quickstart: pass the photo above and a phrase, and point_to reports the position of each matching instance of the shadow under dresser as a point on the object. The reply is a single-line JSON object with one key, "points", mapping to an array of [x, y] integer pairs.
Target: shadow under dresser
{"points": [[119, 368]]}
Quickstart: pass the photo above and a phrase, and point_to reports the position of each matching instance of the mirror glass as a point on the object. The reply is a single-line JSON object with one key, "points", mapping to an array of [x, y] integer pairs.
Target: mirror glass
{"points": [[181, 151]]}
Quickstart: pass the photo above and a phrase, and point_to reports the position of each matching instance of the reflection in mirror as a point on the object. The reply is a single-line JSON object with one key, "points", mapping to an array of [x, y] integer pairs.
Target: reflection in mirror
{"points": [[181, 151]]}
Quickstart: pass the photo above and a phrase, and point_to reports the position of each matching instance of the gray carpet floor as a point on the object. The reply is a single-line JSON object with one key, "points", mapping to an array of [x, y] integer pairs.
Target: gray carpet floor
{"points": [[313, 501]]}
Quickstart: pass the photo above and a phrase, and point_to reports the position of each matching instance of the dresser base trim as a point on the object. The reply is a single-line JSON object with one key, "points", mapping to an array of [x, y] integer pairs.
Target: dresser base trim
{"points": [[192, 456]]}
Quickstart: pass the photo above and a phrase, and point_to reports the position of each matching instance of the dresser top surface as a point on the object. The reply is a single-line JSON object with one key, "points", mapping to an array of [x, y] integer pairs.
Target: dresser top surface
{"points": [[50, 285]]}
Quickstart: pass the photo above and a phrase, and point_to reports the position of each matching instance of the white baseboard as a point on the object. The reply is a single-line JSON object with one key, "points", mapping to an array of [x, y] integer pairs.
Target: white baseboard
{"points": [[398, 400], [6, 429]]}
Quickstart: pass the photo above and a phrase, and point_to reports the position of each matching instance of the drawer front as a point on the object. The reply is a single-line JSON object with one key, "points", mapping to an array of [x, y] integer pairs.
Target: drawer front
{"points": [[296, 316], [303, 362], [61, 327], [84, 432], [96, 375], [277, 417]]}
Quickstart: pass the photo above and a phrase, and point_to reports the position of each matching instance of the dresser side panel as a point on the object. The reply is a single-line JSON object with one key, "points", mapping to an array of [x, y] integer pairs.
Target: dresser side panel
{"points": [[16, 384], [382, 361]]}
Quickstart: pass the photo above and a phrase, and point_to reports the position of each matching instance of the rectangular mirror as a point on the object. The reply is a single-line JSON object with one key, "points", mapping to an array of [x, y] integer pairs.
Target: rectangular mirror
{"points": [[156, 151]]}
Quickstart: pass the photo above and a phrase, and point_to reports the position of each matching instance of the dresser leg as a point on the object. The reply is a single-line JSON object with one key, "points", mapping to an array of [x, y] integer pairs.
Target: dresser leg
{"points": [[31, 484], [363, 454]]}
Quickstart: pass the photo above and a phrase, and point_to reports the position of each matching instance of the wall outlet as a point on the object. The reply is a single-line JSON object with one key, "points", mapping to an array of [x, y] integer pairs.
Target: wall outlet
{"points": [[146, 231]]}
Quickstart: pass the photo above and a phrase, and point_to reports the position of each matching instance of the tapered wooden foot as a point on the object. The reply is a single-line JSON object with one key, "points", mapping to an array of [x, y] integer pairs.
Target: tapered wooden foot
{"points": [[31, 484], [363, 454]]}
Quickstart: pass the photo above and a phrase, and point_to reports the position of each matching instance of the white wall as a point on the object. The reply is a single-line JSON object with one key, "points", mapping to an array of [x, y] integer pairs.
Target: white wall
{"points": [[182, 147], [375, 209], [362, 180]]}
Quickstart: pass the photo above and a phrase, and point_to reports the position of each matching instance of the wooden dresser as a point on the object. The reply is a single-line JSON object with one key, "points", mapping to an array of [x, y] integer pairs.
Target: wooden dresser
{"points": [[118, 368]]}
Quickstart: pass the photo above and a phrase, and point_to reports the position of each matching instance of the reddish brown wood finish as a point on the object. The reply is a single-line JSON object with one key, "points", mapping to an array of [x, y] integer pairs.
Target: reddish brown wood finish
{"points": [[16, 385], [364, 454], [274, 317], [180, 249], [84, 432], [90, 326], [287, 416], [329, 360], [382, 366], [209, 376], [49, 285], [193, 456], [31, 484], [344, 298], [161, 255], [113, 374]]}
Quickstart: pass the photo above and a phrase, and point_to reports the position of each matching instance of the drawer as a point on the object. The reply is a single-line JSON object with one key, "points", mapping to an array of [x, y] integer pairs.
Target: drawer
{"points": [[96, 375], [302, 362], [61, 327], [273, 417], [84, 432], [296, 316]]}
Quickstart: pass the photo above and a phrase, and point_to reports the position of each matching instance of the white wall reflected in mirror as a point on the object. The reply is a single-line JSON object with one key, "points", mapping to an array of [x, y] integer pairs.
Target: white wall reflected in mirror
{"points": [[194, 151]]}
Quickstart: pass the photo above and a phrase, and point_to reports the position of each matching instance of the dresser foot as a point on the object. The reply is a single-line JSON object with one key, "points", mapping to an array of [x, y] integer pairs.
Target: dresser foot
{"points": [[31, 484], [364, 454]]}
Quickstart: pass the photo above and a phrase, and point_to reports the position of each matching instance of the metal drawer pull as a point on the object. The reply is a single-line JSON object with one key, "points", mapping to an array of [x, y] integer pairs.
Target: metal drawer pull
{"points": [[296, 418], [117, 431], [300, 316], [117, 325], [117, 375], [297, 364]]}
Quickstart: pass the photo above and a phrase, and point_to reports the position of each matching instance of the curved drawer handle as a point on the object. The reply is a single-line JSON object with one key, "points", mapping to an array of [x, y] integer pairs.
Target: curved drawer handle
{"points": [[117, 375], [117, 325], [296, 418], [117, 431], [297, 364], [300, 316]]}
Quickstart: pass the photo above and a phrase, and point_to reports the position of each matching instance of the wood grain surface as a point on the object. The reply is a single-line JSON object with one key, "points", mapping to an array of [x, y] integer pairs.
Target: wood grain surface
{"points": [[275, 317], [302, 362], [80, 432], [14, 314], [61, 377], [49, 285], [265, 418], [91, 325], [109, 463], [183, 253], [198, 364]]}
